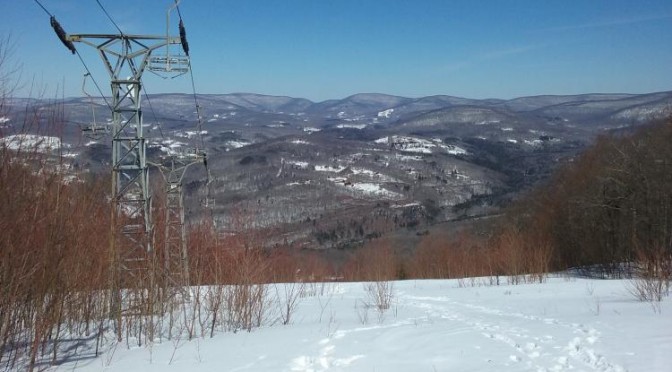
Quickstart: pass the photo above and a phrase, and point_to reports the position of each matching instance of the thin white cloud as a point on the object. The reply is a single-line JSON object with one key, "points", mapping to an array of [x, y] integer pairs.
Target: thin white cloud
{"points": [[490, 55], [611, 22], [505, 52]]}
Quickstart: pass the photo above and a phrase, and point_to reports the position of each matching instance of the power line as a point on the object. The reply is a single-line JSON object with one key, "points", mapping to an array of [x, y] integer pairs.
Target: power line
{"points": [[177, 6], [199, 122], [109, 17], [43, 8], [75, 51], [156, 120]]}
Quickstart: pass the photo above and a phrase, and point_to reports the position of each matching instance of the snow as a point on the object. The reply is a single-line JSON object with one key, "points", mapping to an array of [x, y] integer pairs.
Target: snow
{"points": [[328, 168], [485, 122], [376, 175], [364, 171], [4, 119], [168, 146], [233, 144], [533, 143], [300, 142], [419, 145], [373, 189], [407, 205], [565, 324], [299, 183], [311, 129], [351, 126], [408, 157], [191, 133], [33, 142], [454, 150], [298, 164], [386, 113]]}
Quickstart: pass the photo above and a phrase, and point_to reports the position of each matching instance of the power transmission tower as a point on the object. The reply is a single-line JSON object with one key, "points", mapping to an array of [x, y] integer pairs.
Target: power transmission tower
{"points": [[125, 58], [176, 260]]}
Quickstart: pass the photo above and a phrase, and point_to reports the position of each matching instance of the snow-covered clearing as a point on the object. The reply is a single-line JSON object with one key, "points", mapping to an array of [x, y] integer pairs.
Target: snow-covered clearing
{"points": [[298, 164], [328, 168], [351, 126], [32, 142], [235, 144], [431, 325], [419, 145], [190, 133], [374, 189], [385, 113]]}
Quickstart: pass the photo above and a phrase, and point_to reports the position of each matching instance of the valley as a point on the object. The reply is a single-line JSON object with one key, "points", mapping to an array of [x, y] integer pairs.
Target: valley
{"points": [[335, 174]]}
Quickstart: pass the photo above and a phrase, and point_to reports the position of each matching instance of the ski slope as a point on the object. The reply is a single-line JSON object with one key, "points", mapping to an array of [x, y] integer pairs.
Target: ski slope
{"points": [[565, 324]]}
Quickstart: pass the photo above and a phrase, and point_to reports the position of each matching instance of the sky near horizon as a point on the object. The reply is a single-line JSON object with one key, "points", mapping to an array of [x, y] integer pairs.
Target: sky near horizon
{"points": [[323, 49]]}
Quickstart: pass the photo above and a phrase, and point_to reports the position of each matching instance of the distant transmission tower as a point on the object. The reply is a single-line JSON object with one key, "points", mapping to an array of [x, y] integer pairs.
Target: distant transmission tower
{"points": [[176, 259]]}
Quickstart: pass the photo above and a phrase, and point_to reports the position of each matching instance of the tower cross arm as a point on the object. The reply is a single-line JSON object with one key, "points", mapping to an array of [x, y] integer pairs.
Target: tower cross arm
{"points": [[80, 37]]}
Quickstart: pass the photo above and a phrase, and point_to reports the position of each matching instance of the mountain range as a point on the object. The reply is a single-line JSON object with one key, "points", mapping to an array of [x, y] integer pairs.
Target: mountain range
{"points": [[337, 173]]}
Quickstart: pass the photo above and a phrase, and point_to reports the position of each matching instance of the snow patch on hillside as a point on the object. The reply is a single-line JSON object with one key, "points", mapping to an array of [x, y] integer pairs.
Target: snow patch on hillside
{"points": [[168, 146], [374, 189], [407, 205], [485, 122], [386, 113], [329, 168], [236, 144], [299, 183], [408, 157], [366, 188], [419, 145], [533, 143], [298, 164], [351, 126], [374, 175], [33, 142], [191, 133]]}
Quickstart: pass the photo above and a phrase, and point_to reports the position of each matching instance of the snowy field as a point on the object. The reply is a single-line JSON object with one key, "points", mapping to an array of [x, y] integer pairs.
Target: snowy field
{"points": [[432, 325]]}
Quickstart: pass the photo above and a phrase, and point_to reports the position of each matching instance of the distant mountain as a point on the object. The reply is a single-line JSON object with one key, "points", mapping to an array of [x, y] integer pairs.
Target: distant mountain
{"points": [[357, 105], [477, 115], [337, 173], [263, 103], [538, 102]]}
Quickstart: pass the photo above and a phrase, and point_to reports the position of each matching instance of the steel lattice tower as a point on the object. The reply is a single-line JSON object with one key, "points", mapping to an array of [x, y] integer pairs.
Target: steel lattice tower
{"points": [[125, 58], [176, 259]]}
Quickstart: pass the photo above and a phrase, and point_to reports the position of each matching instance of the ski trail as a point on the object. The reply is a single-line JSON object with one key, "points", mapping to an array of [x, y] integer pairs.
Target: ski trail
{"points": [[538, 343], [325, 359]]}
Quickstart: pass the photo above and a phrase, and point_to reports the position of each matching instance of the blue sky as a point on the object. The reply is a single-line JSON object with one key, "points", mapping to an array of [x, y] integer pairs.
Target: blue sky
{"points": [[322, 49]]}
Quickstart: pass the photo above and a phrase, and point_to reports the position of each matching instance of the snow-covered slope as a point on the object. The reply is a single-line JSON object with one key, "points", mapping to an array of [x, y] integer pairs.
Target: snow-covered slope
{"points": [[438, 325], [32, 142]]}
